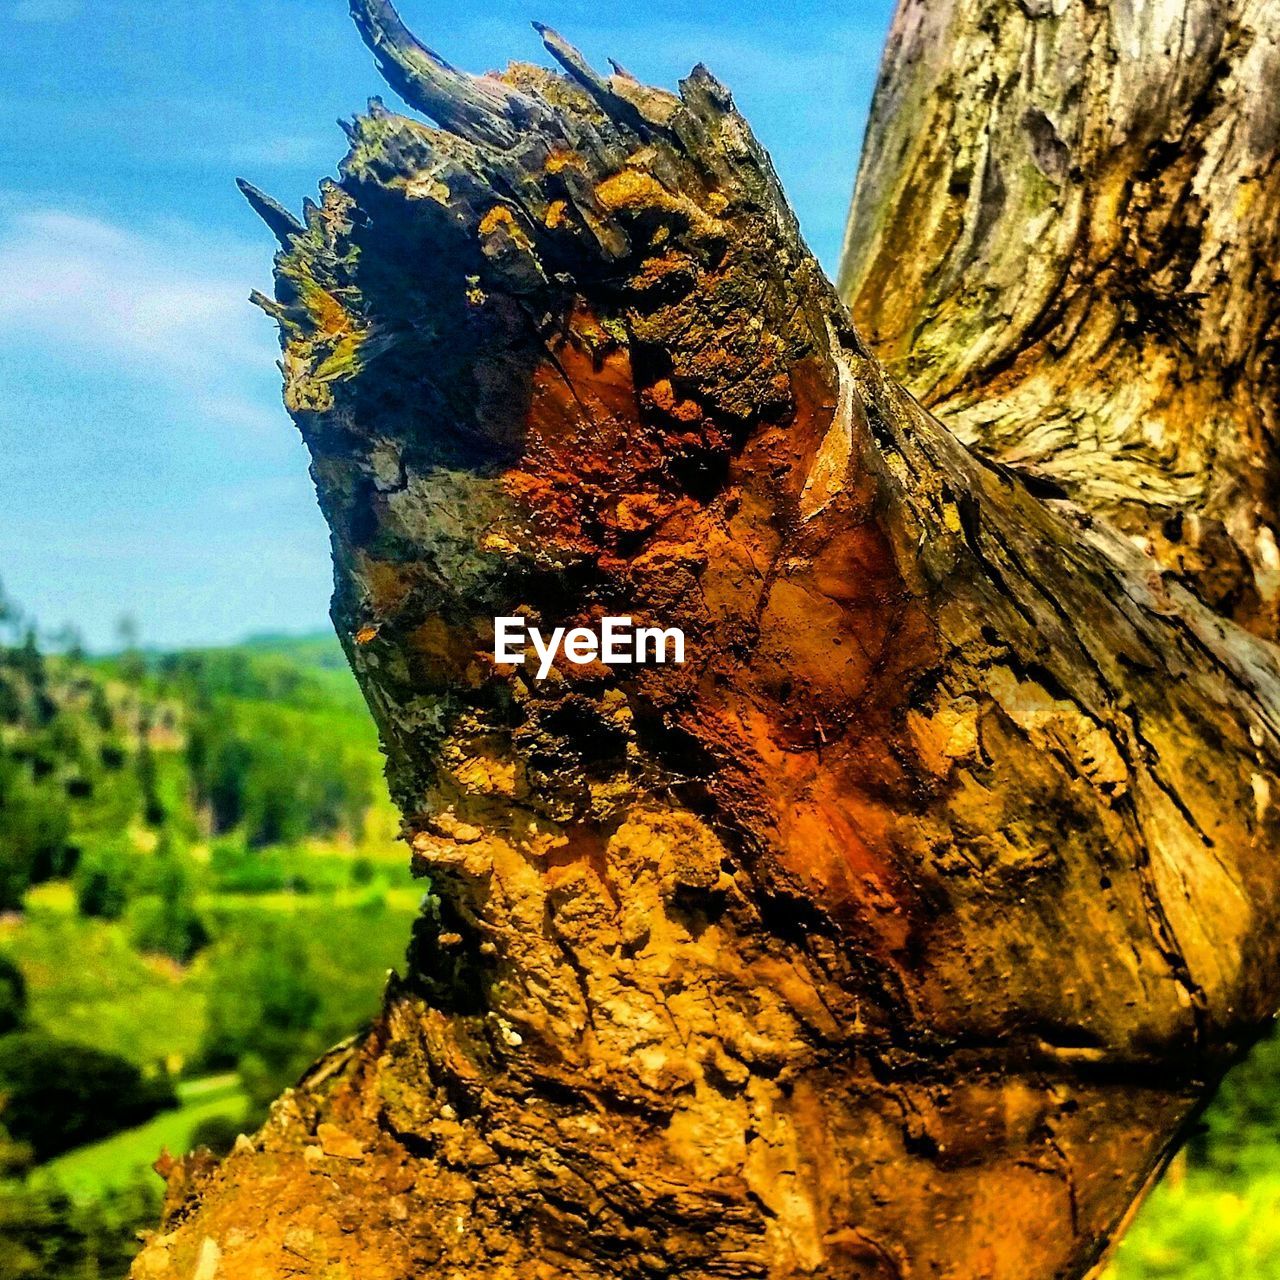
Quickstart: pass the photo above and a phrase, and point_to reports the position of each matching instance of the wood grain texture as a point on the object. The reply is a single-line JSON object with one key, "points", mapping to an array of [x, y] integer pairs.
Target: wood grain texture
{"points": [[1065, 240], [901, 930]]}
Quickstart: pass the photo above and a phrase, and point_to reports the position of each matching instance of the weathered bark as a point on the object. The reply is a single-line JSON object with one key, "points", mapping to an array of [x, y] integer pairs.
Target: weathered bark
{"points": [[1066, 241], [897, 933]]}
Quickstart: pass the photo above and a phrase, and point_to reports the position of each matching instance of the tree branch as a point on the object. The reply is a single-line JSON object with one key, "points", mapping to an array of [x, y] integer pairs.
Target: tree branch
{"points": [[1064, 240]]}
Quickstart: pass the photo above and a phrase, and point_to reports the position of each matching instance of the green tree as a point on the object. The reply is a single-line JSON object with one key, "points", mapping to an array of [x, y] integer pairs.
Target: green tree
{"points": [[264, 1010], [133, 666], [45, 1235], [13, 999], [103, 881], [34, 831], [153, 810], [165, 920], [61, 1095]]}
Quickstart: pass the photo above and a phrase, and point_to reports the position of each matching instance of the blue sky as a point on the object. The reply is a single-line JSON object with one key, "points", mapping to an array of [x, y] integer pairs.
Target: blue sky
{"points": [[149, 468]]}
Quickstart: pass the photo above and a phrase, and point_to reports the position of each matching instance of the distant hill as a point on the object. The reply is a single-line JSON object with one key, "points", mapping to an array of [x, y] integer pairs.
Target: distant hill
{"points": [[296, 670], [200, 877], [268, 740], [318, 649]]}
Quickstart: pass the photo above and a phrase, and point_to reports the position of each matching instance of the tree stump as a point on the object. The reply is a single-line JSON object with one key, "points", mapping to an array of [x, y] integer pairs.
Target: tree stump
{"points": [[901, 930]]}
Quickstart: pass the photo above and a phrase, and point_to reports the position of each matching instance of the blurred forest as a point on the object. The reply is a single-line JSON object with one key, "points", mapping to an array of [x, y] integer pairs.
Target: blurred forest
{"points": [[201, 891]]}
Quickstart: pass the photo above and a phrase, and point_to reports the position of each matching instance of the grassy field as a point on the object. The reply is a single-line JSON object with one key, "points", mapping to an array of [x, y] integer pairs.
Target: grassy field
{"points": [[152, 1010], [400, 900], [87, 982], [87, 1173]]}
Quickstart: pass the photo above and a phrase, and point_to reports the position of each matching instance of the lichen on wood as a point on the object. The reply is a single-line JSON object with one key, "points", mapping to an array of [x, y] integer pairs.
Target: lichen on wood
{"points": [[902, 929]]}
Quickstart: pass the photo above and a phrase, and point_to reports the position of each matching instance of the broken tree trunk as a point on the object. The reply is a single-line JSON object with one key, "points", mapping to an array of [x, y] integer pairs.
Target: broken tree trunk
{"points": [[897, 933]]}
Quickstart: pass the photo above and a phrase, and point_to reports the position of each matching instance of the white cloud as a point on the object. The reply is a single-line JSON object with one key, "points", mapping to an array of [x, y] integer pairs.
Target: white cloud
{"points": [[167, 307]]}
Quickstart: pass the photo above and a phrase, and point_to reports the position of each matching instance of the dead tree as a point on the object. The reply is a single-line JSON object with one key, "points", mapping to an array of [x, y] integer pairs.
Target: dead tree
{"points": [[902, 930]]}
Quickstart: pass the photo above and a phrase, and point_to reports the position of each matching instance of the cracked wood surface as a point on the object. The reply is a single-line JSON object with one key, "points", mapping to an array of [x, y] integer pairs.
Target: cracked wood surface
{"points": [[1065, 240], [899, 932]]}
